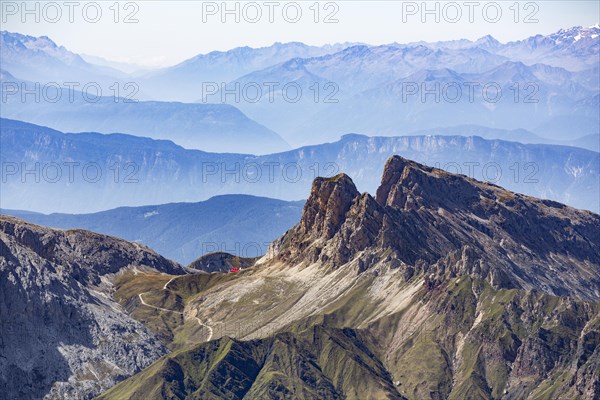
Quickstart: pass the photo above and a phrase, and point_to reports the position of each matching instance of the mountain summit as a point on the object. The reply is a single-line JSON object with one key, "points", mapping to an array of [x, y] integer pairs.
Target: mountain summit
{"points": [[426, 220]]}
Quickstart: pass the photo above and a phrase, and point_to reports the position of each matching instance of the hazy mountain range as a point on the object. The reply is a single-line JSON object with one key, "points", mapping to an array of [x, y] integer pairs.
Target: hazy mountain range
{"points": [[88, 172], [237, 224], [213, 127], [183, 82], [39, 59], [550, 85], [377, 89], [589, 142], [528, 97]]}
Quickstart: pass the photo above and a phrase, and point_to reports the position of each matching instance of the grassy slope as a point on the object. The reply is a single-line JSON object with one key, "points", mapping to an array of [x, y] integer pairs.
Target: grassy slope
{"points": [[286, 366], [463, 340]]}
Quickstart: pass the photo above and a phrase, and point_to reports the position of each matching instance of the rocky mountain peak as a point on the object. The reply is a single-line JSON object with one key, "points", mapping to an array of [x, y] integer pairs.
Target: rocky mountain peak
{"points": [[408, 185], [326, 208], [439, 225], [395, 172]]}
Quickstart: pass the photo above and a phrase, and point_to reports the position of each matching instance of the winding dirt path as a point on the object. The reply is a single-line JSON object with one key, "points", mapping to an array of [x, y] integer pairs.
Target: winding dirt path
{"points": [[170, 280], [210, 330], [158, 308], [141, 297]]}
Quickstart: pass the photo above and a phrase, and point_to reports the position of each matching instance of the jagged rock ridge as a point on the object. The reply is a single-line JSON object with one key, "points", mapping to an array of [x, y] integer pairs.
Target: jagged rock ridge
{"points": [[448, 225]]}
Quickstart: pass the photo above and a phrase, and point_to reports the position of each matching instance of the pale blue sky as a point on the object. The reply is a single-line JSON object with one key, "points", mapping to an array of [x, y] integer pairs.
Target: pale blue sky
{"points": [[168, 32]]}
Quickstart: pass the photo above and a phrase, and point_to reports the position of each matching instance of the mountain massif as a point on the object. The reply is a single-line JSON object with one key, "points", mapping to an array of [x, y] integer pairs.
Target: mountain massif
{"points": [[438, 287]]}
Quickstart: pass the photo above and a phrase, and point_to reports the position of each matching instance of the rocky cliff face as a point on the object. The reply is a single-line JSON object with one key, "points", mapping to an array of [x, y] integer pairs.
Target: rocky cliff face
{"points": [[427, 220], [63, 336]]}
